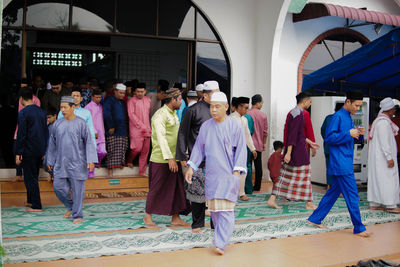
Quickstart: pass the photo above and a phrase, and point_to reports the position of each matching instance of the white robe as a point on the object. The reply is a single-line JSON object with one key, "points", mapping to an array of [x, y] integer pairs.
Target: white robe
{"points": [[383, 182]]}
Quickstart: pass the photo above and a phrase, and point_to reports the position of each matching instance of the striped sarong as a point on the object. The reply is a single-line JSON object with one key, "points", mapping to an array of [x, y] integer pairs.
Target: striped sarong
{"points": [[294, 183], [116, 149]]}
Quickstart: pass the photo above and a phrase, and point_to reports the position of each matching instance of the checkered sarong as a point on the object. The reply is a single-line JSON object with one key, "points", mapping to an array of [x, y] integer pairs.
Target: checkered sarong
{"points": [[294, 183], [116, 148]]}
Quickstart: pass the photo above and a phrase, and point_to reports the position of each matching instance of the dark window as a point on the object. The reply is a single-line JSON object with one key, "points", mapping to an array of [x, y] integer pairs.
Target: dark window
{"points": [[211, 65], [203, 29], [176, 18], [42, 14], [91, 15], [137, 16], [13, 13]]}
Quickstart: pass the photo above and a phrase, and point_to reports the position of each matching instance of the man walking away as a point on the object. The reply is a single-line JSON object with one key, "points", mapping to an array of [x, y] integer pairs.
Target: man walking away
{"points": [[31, 146]]}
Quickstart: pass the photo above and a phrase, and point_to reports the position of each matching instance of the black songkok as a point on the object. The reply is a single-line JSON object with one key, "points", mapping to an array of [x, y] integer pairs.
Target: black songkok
{"points": [[354, 95], [243, 100]]}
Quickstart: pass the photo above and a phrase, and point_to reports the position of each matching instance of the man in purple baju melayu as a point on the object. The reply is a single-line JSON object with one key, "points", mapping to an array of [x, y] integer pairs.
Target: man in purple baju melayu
{"points": [[221, 142]]}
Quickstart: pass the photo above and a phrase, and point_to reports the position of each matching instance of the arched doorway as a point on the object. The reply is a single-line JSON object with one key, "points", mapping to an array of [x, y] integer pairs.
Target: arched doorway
{"points": [[326, 48], [117, 39]]}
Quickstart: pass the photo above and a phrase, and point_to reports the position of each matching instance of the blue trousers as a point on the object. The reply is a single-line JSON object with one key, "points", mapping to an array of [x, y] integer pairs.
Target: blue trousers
{"points": [[345, 184], [62, 186], [224, 222], [328, 176]]}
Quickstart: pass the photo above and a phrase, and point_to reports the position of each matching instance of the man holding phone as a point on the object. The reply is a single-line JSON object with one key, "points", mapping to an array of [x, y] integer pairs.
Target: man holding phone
{"points": [[340, 136]]}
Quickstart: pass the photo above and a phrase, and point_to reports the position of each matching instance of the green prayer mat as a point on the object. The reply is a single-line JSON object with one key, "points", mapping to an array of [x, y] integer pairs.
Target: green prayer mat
{"points": [[111, 216], [168, 239]]}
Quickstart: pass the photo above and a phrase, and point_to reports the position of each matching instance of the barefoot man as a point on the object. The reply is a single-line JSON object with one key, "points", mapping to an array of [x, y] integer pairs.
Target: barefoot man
{"points": [[340, 136], [294, 180], [166, 191], [116, 129], [70, 154], [189, 129], [31, 146], [222, 143]]}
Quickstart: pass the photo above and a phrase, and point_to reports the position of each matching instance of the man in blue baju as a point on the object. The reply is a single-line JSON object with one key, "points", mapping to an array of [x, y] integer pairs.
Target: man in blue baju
{"points": [[70, 154], [340, 135]]}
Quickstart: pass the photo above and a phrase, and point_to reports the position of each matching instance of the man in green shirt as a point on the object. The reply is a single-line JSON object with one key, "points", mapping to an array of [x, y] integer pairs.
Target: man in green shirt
{"points": [[166, 190]]}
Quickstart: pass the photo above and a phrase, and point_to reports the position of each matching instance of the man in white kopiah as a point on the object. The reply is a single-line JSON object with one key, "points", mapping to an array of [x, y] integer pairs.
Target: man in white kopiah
{"points": [[383, 173], [199, 91]]}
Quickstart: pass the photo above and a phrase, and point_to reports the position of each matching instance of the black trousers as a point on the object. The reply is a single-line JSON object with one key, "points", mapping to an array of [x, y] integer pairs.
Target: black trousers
{"points": [[259, 172], [198, 214], [18, 168], [31, 179]]}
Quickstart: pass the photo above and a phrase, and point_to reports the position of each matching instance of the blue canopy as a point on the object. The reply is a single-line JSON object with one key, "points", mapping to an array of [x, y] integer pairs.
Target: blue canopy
{"points": [[373, 68]]}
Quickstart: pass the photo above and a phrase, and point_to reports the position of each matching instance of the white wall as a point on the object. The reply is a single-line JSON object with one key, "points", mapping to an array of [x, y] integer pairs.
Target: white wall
{"points": [[234, 21], [249, 30]]}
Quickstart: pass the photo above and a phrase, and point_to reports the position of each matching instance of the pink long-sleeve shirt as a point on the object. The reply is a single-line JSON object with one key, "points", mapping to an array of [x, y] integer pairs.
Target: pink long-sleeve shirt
{"points": [[139, 120], [260, 128], [98, 122]]}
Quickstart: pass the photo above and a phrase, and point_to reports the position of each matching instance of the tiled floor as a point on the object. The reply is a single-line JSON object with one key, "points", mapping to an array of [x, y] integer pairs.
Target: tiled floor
{"points": [[338, 248]]}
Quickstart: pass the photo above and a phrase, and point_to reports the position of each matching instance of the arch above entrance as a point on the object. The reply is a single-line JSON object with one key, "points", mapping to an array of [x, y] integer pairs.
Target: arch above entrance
{"points": [[333, 32]]}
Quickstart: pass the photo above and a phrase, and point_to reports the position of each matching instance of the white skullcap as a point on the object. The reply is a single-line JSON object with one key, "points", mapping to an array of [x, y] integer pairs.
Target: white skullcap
{"points": [[48, 86], [210, 85], [120, 86], [219, 97], [386, 104], [199, 87]]}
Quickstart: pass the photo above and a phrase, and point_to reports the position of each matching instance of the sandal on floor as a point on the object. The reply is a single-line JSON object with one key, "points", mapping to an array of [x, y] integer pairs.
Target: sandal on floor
{"points": [[376, 208], [393, 210]]}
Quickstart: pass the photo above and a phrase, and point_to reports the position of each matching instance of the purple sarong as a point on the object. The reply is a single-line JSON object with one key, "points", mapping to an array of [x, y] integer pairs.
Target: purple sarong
{"points": [[166, 191]]}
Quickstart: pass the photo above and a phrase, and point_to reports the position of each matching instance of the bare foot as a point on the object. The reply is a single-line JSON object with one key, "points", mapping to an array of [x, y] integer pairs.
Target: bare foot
{"points": [[130, 165], [245, 198], [148, 221], [272, 204], [318, 225], [121, 167], [364, 234], [17, 179], [394, 210], [177, 221], [207, 213], [77, 221], [376, 208], [219, 251], [110, 173], [196, 230], [310, 206], [144, 175], [33, 210], [26, 204], [67, 213], [49, 178]]}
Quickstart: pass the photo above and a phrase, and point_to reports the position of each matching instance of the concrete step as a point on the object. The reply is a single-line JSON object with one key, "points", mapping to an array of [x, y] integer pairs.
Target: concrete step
{"points": [[93, 185]]}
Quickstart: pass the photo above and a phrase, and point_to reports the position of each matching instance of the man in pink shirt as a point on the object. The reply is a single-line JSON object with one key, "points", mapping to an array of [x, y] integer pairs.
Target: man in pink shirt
{"points": [[139, 127], [36, 101], [259, 136], [96, 109]]}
